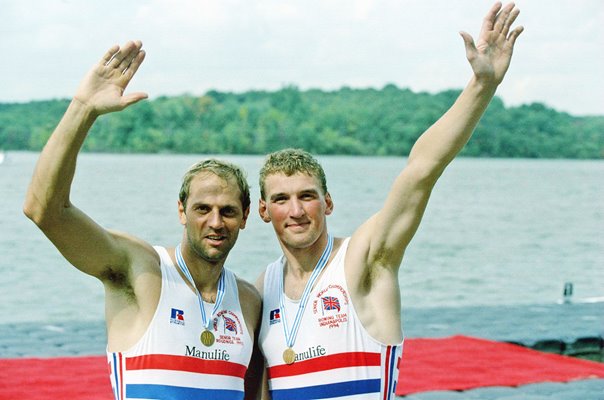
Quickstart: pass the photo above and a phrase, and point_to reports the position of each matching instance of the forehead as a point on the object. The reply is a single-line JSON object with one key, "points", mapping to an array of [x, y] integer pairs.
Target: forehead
{"points": [[209, 188], [298, 182]]}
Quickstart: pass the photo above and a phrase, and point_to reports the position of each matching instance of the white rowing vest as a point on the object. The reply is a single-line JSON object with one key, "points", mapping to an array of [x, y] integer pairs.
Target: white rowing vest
{"points": [[335, 356], [170, 362]]}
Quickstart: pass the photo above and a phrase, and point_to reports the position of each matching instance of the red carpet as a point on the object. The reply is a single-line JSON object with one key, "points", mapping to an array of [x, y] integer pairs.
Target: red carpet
{"points": [[461, 363], [73, 378], [456, 363]]}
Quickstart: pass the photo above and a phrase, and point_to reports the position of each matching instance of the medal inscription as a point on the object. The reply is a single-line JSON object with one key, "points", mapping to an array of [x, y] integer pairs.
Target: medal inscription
{"points": [[207, 338]]}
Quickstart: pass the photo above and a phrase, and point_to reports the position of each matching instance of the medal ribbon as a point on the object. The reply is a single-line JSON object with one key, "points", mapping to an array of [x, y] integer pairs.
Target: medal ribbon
{"points": [[290, 336], [219, 294]]}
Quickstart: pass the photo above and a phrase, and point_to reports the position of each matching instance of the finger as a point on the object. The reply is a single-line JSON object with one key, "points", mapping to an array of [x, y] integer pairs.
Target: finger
{"points": [[130, 52], [509, 21], [116, 59], [109, 54], [514, 35], [122, 54], [502, 17], [133, 66], [489, 19]]}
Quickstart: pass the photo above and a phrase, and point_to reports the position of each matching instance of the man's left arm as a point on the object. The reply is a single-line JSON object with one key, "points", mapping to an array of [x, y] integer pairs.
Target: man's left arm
{"points": [[386, 235]]}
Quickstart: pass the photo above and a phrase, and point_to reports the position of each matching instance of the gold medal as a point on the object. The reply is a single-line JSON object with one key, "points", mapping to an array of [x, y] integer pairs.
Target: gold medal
{"points": [[289, 356], [207, 338]]}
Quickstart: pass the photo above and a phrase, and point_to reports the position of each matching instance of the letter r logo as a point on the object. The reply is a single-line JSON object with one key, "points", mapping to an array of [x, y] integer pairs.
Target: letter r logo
{"points": [[177, 314], [275, 314]]}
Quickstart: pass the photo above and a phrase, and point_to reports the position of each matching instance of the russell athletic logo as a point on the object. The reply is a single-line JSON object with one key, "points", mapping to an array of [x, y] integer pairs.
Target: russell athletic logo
{"points": [[177, 316], [275, 316]]}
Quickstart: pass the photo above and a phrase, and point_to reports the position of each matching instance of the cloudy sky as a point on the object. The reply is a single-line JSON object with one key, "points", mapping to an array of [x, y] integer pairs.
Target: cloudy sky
{"points": [[236, 45]]}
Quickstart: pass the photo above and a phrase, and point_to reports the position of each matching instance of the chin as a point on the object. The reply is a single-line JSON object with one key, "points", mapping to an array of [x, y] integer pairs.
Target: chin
{"points": [[212, 255], [215, 258], [299, 241]]}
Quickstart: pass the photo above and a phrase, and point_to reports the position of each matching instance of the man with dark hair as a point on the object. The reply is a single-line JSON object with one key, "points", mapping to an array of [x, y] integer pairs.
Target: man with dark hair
{"points": [[331, 319], [179, 324]]}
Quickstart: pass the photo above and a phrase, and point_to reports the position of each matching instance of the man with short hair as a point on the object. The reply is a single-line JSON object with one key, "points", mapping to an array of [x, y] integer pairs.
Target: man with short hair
{"points": [[179, 324], [331, 319]]}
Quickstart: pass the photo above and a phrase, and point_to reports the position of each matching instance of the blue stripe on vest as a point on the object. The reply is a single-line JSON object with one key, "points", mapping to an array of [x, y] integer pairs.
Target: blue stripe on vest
{"points": [[328, 391], [392, 366], [116, 391], [167, 392]]}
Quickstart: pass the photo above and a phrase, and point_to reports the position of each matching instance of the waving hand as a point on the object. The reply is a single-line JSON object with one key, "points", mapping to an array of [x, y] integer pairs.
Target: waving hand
{"points": [[490, 56], [102, 89]]}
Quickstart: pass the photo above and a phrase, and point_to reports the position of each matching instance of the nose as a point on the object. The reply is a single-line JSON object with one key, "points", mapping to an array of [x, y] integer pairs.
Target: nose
{"points": [[296, 208], [215, 220]]}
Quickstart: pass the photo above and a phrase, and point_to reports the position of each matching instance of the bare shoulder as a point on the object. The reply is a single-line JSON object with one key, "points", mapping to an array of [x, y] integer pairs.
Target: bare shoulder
{"points": [[248, 292], [251, 304], [134, 243], [260, 283], [131, 293], [140, 258], [137, 249], [369, 261], [358, 250]]}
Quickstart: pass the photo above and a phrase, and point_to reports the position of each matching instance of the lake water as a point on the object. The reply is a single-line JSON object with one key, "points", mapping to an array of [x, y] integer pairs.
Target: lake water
{"points": [[496, 231]]}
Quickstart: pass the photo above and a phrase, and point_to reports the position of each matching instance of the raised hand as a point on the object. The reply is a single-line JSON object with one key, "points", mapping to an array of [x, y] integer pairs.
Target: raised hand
{"points": [[490, 57], [102, 89]]}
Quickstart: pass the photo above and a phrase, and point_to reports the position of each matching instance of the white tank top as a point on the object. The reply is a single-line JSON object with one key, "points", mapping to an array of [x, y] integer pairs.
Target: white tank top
{"points": [[335, 356], [170, 362]]}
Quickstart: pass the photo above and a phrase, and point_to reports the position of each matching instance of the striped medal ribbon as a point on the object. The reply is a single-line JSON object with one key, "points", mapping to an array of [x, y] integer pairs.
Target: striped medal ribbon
{"points": [[206, 337], [289, 355]]}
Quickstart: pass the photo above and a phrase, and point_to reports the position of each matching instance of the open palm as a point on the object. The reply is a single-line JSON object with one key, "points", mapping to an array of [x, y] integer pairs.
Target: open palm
{"points": [[491, 55], [103, 87]]}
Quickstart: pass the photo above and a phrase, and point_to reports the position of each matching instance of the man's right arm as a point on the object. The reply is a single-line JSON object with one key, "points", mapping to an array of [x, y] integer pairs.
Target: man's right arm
{"points": [[82, 242]]}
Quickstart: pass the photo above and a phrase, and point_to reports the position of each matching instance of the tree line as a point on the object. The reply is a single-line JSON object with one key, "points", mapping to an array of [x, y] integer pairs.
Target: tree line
{"points": [[348, 121]]}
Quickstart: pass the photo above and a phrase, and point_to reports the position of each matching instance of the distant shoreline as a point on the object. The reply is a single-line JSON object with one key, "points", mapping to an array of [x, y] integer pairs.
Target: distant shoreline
{"points": [[375, 122]]}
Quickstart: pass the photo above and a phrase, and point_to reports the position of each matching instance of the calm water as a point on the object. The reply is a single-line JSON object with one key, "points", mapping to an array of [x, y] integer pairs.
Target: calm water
{"points": [[495, 232]]}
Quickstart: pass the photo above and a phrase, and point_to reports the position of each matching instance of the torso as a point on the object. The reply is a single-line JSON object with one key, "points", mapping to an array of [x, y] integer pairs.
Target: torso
{"points": [[334, 353], [170, 357]]}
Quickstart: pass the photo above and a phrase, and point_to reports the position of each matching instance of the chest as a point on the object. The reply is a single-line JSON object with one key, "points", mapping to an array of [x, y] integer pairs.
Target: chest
{"points": [[179, 325], [326, 311]]}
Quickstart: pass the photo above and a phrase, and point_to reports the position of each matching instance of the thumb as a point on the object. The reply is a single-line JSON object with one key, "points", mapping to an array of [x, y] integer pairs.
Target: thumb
{"points": [[132, 98], [469, 44]]}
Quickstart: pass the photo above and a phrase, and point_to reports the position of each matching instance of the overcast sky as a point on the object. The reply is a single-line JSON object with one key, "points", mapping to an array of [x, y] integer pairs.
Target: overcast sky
{"points": [[236, 45]]}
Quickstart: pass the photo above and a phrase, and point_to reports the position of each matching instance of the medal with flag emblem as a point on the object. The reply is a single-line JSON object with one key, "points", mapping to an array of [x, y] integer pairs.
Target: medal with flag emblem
{"points": [[289, 355]]}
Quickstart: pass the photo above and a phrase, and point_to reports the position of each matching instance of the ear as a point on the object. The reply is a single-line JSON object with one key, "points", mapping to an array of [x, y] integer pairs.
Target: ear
{"points": [[328, 203], [263, 211], [181, 213], [246, 214]]}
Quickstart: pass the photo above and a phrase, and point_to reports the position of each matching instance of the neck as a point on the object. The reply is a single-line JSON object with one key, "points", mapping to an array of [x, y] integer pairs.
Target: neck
{"points": [[205, 274], [301, 262]]}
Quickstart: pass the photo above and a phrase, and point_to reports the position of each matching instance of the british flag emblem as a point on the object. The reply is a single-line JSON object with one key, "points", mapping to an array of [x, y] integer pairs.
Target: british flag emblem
{"points": [[229, 324], [331, 303]]}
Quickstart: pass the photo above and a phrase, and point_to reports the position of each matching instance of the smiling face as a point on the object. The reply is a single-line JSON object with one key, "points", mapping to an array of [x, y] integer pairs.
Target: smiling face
{"points": [[297, 207], [213, 216]]}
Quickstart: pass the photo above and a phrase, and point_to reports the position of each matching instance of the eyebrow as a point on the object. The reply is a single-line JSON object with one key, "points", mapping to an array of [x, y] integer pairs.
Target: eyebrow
{"points": [[276, 195], [303, 191], [221, 207]]}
